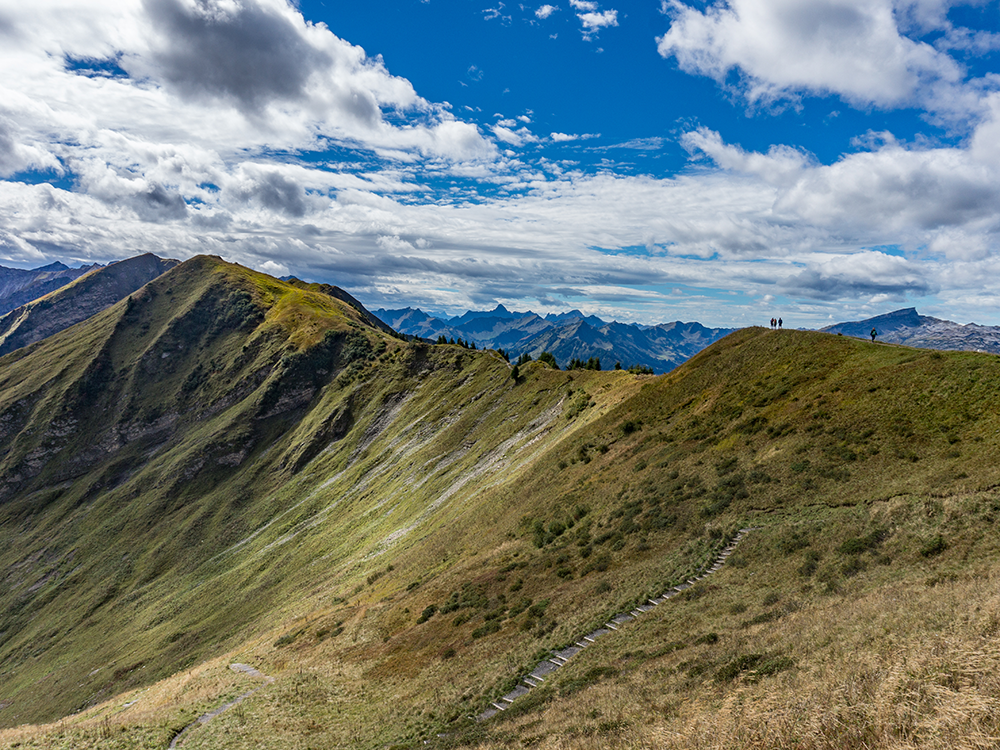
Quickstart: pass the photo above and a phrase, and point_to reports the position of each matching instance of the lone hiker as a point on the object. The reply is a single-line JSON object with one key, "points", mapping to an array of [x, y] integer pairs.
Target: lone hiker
{"points": [[874, 334]]}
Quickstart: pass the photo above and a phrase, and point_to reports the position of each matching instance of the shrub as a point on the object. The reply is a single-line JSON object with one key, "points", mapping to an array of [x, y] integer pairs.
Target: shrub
{"points": [[934, 546], [488, 627], [549, 359]]}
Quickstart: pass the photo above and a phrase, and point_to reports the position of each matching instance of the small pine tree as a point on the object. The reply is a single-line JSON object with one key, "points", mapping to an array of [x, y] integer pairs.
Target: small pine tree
{"points": [[515, 373], [549, 359]]}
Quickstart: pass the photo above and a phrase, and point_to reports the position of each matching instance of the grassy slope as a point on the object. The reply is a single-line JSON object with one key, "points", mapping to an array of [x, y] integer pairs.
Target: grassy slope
{"points": [[544, 506], [234, 452]]}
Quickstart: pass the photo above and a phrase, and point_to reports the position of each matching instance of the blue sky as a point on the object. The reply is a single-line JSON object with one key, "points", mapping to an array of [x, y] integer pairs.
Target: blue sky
{"points": [[720, 161]]}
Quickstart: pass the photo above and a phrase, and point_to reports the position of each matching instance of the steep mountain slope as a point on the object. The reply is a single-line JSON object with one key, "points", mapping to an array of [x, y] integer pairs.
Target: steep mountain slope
{"points": [[211, 419], [907, 327], [397, 531], [78, 300], [18, 286]]}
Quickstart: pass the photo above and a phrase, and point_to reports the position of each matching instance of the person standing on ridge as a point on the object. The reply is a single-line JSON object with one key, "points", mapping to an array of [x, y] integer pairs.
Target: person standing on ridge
{"points": [[874, 334], [779, 322]]}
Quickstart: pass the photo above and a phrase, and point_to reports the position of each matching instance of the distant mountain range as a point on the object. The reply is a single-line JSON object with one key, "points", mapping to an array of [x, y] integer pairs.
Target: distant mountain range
{"points": [[567, 336], [29, 312], [907, 327], [98, 288], [19, 286]]}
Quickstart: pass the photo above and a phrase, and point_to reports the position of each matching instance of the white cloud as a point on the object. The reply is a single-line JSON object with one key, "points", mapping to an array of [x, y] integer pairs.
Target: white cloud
{"points": [[592, 19], [653, 143], [522, 135], [274, 269], [594, 22], [545, 11], [852, 48], [563, 137], [175, 71]]}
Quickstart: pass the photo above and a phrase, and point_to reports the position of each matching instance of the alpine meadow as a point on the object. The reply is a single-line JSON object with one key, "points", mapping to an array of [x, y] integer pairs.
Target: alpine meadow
{"points": [[385, 536]]}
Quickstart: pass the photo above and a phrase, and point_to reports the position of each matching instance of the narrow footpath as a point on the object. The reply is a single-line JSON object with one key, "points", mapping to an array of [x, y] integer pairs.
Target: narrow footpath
{"points": [[558, 658], [205, 718]]}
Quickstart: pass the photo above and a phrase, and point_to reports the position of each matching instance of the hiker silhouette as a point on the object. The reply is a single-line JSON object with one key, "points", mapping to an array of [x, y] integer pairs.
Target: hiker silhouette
{"points": [[874, 334]]}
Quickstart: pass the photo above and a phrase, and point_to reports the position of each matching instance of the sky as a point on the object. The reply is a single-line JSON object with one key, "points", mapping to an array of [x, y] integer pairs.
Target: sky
{"points": [[723, 161]]}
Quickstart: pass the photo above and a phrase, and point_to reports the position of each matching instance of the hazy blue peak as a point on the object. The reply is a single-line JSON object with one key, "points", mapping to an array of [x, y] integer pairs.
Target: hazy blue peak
{"points": [[592, 320], [498, 312]]}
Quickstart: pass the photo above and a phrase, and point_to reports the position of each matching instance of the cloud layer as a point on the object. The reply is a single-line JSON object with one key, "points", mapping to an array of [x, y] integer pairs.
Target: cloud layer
{"points": [[238, 128]]}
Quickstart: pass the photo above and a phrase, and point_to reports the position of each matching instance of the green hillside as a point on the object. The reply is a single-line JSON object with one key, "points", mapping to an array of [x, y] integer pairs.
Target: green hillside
{"points": [[229, 468]]}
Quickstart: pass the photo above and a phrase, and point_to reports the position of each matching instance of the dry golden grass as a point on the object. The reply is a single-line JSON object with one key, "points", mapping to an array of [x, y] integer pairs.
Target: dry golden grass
{"points": [[147, 717], [905, 666]]}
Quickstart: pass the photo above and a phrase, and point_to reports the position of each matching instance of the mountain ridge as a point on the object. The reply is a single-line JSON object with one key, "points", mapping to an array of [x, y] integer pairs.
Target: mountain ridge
{"points": [[19, 286], [78, 300], [396, 530]]}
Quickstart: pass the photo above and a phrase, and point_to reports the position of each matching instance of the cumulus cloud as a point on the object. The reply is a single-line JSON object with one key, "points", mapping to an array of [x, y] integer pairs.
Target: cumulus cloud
{"points": [[253, 73], [862, 274], [269, 189], [252, 54], [782, 48], [19, 156], [503, 130], [915, 195], [594, 22], [592, 18], [545, 11]]}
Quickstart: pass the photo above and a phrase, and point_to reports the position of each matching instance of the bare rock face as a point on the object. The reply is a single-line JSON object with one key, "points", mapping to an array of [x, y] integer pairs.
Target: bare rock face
{"points": [[907, 327], [98, 289]]}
